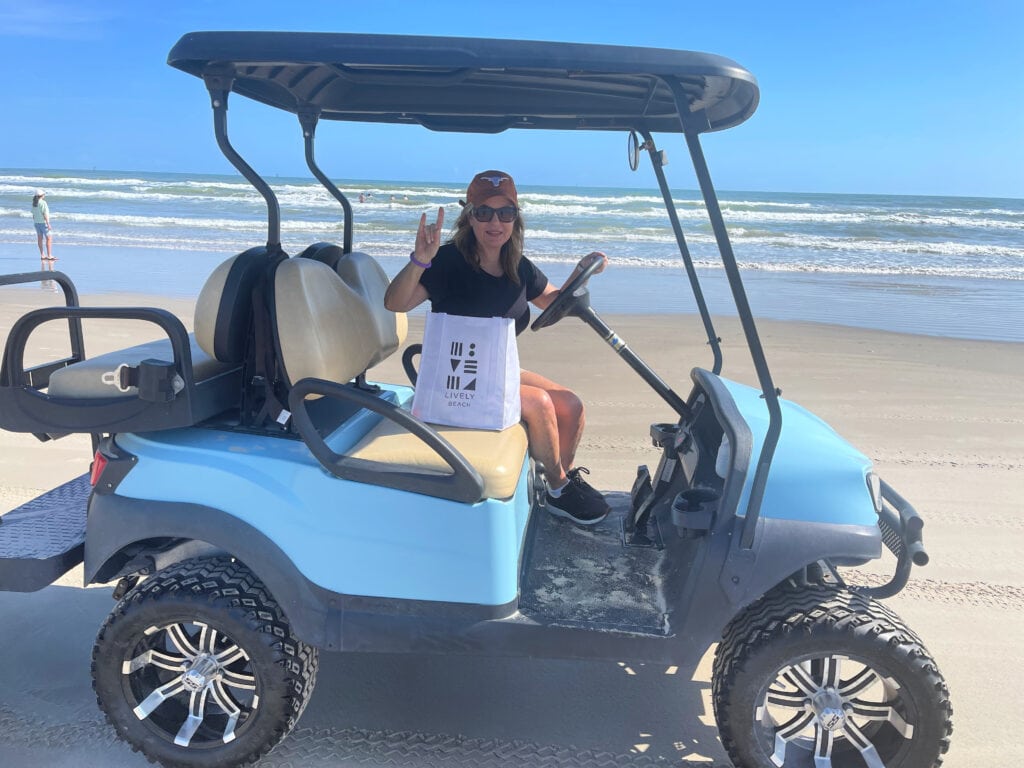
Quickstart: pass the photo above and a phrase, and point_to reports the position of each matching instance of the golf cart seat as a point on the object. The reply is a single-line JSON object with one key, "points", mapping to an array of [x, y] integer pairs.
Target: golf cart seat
{"points": [[328, 330], [365, 276], [208, 385]]}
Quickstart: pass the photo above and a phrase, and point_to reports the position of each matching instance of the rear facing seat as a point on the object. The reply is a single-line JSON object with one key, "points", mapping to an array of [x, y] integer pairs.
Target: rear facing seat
{"points": [[222, 316], [89, 379], [335, 329]]}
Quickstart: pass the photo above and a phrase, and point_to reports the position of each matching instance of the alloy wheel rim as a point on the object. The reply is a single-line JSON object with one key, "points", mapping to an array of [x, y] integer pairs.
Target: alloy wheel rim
{"points": [[191, 683], [833, 712]]}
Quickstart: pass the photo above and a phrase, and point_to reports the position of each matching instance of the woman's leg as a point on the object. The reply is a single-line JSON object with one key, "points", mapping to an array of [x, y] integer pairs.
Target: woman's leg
{"points": [[49, 246], [538, 411], [554, 417], [554, 424], [39, 240]]}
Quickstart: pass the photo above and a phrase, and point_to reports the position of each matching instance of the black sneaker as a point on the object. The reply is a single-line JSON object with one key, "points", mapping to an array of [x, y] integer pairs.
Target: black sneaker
{"points": [[578, 502], [588, 490]]}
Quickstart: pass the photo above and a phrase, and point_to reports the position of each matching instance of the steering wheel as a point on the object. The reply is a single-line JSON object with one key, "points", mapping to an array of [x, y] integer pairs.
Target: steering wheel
{"points": [[571, 300]]}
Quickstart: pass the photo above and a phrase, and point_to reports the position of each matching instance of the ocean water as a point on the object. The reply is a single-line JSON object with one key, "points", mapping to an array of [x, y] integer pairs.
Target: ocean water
{"points": [[948, 266]]}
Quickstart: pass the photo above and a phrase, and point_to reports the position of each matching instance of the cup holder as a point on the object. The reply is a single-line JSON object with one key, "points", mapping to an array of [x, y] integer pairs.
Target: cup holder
{"points": [[693, 511]]}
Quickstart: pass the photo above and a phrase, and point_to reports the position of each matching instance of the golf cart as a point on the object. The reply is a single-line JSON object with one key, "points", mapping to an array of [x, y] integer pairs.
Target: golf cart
{"points": [[256, 496]]}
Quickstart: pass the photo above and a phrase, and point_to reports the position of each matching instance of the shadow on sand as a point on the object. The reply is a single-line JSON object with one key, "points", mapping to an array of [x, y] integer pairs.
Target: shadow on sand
{"points": [[390, 710]]}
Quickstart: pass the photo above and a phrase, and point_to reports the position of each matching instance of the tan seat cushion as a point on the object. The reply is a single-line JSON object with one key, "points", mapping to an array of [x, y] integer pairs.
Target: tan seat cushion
{"points": [[85, 379], [497, 456]]}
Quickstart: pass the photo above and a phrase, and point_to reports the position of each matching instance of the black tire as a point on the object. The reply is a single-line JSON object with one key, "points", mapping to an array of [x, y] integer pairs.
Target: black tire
{"points": [[211, 635], [823, 670]]}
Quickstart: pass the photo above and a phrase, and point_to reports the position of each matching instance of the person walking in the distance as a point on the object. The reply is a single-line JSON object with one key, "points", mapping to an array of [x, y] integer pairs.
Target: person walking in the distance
{"points": [[482, 272], [44, 232]]}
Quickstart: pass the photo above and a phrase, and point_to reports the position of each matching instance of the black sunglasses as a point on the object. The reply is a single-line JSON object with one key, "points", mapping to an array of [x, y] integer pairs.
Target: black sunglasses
{"points": [[485, 213]]}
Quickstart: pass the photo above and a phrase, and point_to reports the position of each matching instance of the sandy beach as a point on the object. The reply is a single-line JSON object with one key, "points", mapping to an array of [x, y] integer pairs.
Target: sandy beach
{"points": [[942, 419]]}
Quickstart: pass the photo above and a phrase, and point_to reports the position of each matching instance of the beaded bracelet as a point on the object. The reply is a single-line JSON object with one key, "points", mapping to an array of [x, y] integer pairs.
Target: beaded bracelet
{"points": [[412, 258]]}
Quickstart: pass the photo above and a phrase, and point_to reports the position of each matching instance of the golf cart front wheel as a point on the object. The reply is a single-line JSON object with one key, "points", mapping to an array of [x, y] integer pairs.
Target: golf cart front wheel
{"points": [[197, 667], [822, 677]]}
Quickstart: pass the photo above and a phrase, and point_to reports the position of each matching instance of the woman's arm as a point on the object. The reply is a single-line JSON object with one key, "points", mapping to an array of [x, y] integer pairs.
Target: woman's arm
{"points": [[548, 294], [405, 291]]}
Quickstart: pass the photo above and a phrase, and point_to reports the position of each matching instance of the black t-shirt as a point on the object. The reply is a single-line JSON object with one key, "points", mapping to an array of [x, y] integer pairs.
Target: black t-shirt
{"points": [[456, 288]]}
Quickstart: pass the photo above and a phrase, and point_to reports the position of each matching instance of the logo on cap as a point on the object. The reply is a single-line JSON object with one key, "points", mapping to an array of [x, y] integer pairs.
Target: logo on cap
{"points": [[495, 180]]}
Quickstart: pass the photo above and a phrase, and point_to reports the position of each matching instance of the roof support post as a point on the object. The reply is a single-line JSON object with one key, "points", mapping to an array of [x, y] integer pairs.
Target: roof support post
{"points": [[693, 123], [308, 118], [684, 251], [219, 86]]}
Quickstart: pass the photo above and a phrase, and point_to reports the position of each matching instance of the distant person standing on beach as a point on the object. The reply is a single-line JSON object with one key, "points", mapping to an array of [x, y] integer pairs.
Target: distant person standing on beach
{"points": [[41, 219]]}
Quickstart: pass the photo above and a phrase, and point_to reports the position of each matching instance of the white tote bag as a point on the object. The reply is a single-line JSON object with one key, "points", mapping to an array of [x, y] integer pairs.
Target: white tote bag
{"points": [[469, 372]]}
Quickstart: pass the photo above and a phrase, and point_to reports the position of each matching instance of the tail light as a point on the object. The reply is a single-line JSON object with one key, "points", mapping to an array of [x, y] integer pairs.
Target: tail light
{"points": [[99, 463]]}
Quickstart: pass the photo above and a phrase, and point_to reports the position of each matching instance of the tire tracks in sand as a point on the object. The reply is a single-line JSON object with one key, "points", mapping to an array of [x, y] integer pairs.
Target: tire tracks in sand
{"points": [[981, 594]]}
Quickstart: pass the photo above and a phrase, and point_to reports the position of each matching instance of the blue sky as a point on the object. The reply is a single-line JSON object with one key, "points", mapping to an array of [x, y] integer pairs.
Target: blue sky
{"points": [[856, 97]]}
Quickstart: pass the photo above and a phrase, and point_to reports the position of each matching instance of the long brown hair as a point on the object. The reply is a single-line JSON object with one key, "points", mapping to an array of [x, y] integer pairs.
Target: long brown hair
{"points": [[511, 252]]}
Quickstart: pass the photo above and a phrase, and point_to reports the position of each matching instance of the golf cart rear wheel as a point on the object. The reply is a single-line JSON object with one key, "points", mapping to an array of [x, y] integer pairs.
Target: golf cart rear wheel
{"points": [[197, 667], [820, 676]]}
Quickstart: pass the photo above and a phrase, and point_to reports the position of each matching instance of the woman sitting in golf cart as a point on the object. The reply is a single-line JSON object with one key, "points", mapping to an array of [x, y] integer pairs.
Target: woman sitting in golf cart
{"points": [[482, 272]]}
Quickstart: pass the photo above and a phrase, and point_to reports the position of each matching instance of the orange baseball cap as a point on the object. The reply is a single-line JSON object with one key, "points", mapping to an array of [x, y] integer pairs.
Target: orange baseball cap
{"points": [[491, 183]]}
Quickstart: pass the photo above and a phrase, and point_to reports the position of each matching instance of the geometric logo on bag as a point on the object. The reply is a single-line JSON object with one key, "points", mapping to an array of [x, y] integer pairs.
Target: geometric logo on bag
{"points": [[468, 364]]}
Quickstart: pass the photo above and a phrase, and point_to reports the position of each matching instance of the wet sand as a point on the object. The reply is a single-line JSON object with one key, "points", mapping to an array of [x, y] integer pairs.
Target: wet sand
{"points": [[943, 419]]}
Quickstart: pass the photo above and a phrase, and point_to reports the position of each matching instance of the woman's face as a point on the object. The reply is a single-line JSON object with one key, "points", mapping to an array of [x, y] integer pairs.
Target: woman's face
{"points": [[494, 233]]}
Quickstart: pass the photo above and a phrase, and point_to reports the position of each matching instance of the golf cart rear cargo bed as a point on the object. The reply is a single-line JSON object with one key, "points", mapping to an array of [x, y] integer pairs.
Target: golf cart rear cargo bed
{"points": [[44, 538]]}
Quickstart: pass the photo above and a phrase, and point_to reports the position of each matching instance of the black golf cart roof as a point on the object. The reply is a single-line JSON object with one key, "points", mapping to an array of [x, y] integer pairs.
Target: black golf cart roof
{"points": [[474, 84]]}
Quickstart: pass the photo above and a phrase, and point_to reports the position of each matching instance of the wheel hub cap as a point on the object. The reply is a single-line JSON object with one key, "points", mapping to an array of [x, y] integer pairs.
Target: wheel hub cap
{"points": [[828, 708], [202, 671]]}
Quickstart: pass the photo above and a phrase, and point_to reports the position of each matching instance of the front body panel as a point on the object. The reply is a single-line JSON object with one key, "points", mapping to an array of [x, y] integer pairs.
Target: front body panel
{"points": [[816, 475]]}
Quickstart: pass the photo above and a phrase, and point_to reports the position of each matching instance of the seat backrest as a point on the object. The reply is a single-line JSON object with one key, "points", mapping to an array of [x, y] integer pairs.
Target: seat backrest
{"points": [[328, 253], [365, 276], [323, 328], [223, 313]]}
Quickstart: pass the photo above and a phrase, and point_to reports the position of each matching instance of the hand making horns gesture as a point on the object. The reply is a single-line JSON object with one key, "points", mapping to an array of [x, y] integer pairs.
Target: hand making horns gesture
{"points": [[428, 237]]}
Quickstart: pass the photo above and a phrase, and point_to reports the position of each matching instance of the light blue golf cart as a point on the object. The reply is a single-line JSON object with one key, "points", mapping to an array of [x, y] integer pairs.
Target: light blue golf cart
{"points": [[256, 496]]}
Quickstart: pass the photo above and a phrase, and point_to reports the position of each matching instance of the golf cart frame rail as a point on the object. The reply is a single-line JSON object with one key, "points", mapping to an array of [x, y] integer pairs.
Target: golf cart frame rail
{"points": [[516, 84]]}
